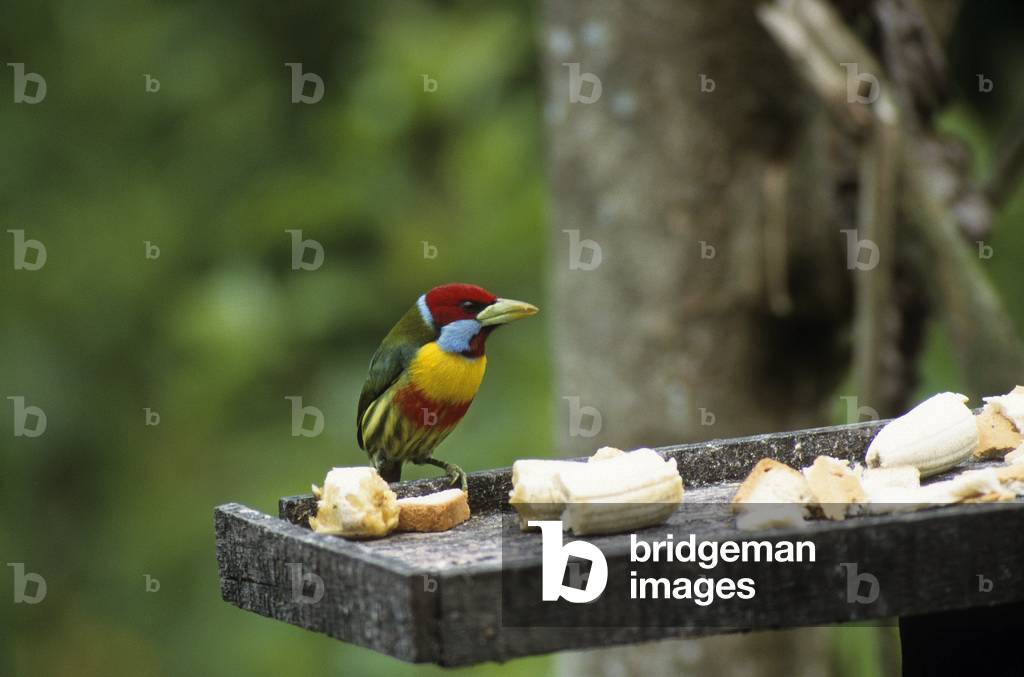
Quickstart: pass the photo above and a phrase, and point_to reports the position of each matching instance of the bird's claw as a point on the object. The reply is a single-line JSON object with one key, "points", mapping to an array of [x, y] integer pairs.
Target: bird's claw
{"points": [[458, 476]]}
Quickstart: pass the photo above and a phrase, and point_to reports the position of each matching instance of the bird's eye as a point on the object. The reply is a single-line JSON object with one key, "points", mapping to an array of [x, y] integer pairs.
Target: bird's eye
{"points": [[471, 306]]}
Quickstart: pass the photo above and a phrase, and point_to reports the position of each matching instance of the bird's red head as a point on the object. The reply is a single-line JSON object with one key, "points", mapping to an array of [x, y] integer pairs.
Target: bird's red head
{"points": [[463, 315], [451, 302]]}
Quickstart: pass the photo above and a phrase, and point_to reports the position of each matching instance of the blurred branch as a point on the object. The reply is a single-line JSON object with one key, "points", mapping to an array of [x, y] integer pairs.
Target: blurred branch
{"points": [[876, 215], [913, 56], [982, 332], [817, 41], [1008, 171], [910, 35], [813, 62], [774, 189]]}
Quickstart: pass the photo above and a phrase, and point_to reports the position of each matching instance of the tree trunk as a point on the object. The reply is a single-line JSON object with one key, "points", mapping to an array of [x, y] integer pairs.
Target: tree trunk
{"points": [[700, 279]]}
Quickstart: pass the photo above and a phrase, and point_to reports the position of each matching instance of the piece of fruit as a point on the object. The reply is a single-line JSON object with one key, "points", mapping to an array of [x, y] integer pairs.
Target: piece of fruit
{"points": [[356, 503], [1010, 405], [535, 494], [1012, 477], [630, 491], [605, 453], [876, 481], [936, 435], [969, 486]]}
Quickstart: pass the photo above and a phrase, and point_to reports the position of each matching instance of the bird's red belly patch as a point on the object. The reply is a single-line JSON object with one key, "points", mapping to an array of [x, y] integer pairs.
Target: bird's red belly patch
{"points": [[425, 412]]}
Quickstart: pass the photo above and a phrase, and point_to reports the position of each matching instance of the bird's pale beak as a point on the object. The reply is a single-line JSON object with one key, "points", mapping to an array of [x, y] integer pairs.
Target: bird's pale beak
{"points": [[504, 311]]}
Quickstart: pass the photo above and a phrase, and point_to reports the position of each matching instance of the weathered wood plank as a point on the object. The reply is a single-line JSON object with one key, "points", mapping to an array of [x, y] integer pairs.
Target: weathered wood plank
{"points": [[467, 595], [325, 584], [717, 461]]}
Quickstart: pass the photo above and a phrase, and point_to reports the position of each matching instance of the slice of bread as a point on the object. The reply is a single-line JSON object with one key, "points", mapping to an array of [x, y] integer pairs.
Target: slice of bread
{"points": [[771, 482], [996, 434], [433, 512], [835, 487]]}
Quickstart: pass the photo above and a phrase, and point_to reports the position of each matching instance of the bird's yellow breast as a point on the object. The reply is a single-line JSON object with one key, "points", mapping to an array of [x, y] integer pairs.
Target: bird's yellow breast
{"points": [[444, 376]]}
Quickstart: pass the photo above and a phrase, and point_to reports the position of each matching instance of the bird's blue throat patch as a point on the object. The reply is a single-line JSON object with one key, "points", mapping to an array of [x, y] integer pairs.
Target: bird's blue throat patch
{"points": [[455, 336]]}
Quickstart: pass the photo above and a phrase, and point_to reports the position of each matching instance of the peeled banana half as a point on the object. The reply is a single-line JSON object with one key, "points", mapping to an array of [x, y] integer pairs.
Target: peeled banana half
{"points": [[615, 492], [535, 494], [934, 436]]}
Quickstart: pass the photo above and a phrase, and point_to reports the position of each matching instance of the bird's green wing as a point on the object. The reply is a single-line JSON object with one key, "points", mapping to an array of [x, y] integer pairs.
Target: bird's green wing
{"points": [[395, 353], [386, 367]]}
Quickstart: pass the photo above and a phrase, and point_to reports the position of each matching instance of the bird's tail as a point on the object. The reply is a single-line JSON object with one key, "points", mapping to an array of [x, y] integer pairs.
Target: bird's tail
{"points": [[390, 469]]}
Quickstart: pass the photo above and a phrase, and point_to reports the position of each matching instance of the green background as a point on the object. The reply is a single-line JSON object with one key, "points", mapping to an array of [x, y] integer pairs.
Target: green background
{"points": [[216, 332]]}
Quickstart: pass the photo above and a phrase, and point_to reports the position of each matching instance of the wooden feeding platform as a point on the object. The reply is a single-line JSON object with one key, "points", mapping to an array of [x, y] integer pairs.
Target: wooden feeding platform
{"points": [[471, 594]]}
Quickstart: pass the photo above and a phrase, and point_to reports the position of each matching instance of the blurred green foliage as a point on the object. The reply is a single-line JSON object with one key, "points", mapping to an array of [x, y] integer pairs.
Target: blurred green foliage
{"points": [[214, 334]]}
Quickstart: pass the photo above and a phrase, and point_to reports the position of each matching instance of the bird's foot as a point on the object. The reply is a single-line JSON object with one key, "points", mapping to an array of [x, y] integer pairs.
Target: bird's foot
{"points": [[459, 476], [456, 474]]}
